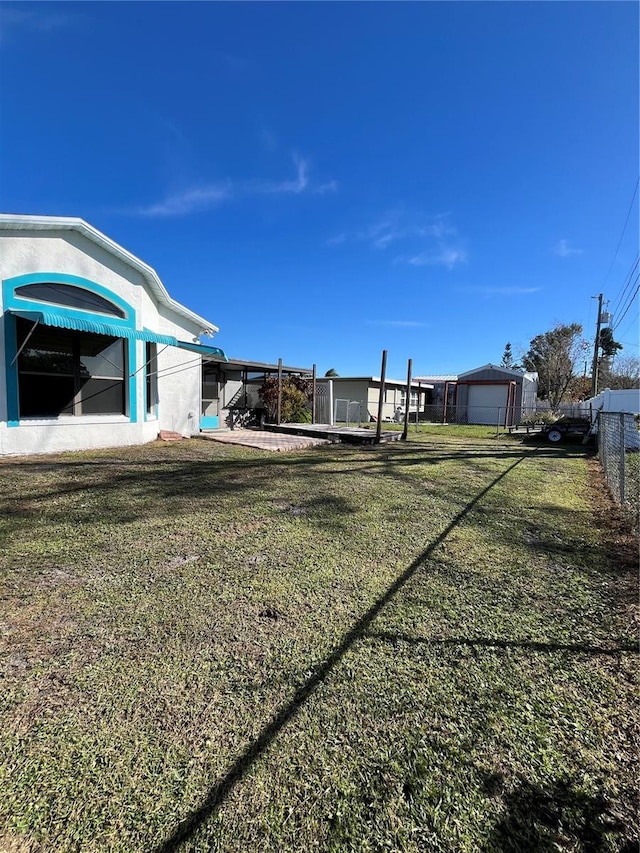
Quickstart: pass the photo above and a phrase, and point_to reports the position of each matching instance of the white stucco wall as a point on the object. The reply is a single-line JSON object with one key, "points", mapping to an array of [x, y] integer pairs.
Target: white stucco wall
{"points": [[179, 378]]}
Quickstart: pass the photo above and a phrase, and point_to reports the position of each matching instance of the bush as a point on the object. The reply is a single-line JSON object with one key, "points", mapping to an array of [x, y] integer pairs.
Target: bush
{"points": [[296, 393]]}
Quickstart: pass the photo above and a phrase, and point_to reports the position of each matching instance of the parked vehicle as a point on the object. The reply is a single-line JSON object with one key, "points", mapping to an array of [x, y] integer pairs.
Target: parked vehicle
{"points": [[566, 426]]}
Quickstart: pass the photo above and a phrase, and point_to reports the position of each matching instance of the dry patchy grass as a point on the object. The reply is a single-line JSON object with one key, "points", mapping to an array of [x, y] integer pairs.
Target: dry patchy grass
{"points": [[421, 646]]}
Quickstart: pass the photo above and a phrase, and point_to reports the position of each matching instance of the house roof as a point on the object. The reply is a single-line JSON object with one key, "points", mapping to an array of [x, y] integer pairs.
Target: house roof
{"points": [[376, 379], [518, 373], [438, 377], [258, 366], [18, 222]]}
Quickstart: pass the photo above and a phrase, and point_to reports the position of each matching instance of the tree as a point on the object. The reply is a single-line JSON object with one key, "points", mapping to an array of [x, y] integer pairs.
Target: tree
{"points": [[507, 359], [296, 392], [554, 355], [331, 372], [623, 373], [607, 344], [607, 349]]}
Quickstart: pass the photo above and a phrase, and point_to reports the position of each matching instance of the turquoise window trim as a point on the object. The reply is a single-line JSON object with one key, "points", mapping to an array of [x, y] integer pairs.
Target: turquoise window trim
{"points": [[132, 367], [11, 372], [10, 300], [153, 415]]}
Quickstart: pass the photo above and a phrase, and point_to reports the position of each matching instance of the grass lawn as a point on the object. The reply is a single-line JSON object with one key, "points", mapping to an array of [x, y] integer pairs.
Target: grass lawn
{"points": [[423, 646]]}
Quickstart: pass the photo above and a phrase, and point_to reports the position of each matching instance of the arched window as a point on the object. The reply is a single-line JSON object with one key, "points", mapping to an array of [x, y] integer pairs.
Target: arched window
{"points": [[69, 296]]}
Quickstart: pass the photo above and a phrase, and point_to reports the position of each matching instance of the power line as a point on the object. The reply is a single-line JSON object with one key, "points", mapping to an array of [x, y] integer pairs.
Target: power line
{"points": [[627, 282], [624, 228], [629, 303]]}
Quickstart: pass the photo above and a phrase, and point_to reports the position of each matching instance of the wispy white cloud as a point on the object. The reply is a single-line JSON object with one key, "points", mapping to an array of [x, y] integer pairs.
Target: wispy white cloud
{"points": [[18, 18], [445, 256], [563, 250], [296, 185], [324, 189], [208, 196], [400, 324], [338, 239], [422, 241], [190, 201]]}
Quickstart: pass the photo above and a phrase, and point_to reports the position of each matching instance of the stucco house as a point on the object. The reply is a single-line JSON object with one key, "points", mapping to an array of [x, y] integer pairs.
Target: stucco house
{"points": [[355, 398], [93, 350]]}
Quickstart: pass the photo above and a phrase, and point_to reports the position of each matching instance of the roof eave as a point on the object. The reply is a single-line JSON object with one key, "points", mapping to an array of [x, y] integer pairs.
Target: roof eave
{"points": [[58, 223]]}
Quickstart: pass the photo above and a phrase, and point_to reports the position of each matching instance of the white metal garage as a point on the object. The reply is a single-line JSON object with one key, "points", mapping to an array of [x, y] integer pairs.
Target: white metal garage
{"points": [[484, 401]]}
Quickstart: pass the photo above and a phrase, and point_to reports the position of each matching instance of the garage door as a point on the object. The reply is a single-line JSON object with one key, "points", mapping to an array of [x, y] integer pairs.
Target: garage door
{"points": [[484, 402]]}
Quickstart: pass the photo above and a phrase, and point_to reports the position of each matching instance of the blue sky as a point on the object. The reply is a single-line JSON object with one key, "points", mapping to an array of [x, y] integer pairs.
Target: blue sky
{"points": [[323, 181]]}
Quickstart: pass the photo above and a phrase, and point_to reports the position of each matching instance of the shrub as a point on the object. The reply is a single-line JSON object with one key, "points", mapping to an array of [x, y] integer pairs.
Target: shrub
{"points": [[296, 393]]}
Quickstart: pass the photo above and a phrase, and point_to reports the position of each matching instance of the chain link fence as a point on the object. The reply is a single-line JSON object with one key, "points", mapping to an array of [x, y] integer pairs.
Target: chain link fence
{"points": [[619, 454]]}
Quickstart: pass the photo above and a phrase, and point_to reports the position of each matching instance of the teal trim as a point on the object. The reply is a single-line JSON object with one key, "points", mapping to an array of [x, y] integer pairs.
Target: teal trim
{"points": [[209, 422], [132, 367], [10, 284], [201, 349], [11, 371], [68, 318]]}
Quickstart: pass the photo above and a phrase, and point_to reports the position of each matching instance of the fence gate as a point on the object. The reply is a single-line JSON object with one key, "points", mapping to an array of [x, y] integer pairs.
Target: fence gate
{"points": [[323, 402]]}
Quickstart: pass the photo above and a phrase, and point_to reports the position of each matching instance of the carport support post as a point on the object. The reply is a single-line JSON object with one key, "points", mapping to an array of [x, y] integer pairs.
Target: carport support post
{"points": [[279, 410], [383, 371], [313, 398], [405, 429]]}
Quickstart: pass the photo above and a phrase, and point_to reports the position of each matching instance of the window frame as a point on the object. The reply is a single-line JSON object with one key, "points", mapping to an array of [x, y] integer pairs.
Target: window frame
{"points": [[76, 375]]}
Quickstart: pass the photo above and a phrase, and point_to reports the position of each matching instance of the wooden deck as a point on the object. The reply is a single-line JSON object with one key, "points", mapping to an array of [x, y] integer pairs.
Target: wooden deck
{"points": [[347, 435]]}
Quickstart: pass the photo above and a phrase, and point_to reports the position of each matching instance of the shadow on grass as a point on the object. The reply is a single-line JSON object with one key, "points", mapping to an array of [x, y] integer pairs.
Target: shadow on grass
{"points": [[221, 790], [560, 817], [489, 643], [159, 481]]}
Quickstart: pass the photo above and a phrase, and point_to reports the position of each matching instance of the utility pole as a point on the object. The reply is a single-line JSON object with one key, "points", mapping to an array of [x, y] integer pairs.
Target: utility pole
{"points": [[596, 347]]}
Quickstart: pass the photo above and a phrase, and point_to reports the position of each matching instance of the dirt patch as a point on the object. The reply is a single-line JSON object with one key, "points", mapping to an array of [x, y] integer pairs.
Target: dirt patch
{"points": [[621, 539]]}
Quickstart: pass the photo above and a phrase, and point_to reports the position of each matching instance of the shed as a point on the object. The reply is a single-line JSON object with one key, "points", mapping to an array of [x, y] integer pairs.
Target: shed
{"points": [[493, 394]]}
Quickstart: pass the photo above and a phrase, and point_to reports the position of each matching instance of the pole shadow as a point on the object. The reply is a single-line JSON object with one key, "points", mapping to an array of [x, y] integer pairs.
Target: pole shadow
{"points": [[223, 787]]}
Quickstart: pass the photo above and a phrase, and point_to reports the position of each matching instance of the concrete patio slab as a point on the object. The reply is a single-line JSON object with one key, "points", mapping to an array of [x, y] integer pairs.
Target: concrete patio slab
{"points": [[262, 440]]}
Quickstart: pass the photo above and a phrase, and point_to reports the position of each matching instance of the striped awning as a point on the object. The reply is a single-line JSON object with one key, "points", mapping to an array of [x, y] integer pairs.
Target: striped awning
{"points": [[202, 349], [96, 327]]}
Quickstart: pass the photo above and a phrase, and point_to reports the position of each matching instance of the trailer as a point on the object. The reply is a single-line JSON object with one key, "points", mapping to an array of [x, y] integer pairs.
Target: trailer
{"points": [[568, 426]]}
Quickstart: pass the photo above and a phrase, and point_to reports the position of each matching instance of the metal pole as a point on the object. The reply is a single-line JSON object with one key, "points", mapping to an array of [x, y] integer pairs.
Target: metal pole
{"points": [[407, 408], [279, 411], [594, 369], [383, 371], [313, 398], [622, 460]]}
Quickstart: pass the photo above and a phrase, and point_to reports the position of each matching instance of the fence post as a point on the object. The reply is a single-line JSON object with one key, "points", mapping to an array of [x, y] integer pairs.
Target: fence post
{"points": [[313, 396], [498, 423], [622, 460], [279, 409], [407, 402], [383, 370]]}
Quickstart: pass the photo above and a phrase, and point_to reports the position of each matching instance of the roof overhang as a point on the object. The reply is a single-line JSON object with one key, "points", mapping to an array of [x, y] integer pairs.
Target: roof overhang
{"points": [[97, 327], [16, 222], [515, 373]]}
